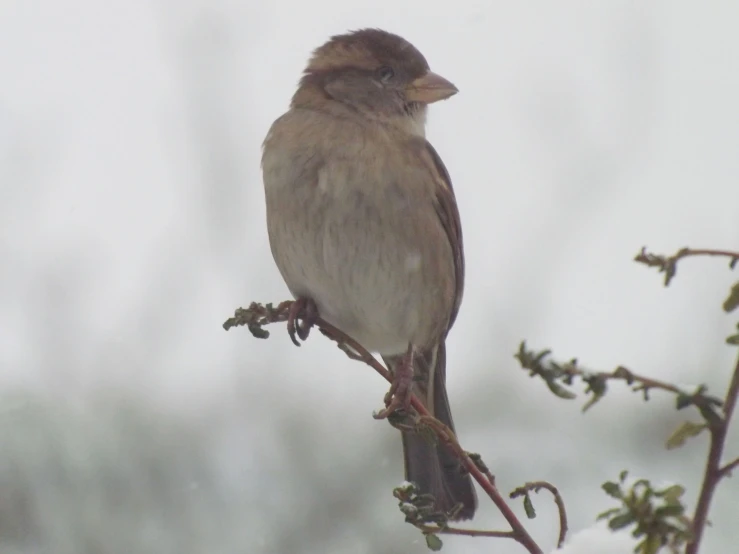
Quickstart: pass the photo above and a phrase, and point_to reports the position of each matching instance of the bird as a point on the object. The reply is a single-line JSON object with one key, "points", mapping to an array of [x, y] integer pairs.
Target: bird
{"points": [[364, 228]]}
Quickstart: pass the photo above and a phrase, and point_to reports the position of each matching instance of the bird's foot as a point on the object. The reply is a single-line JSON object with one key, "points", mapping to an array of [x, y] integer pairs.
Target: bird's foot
{"points": [[305, 310], [401, 389]]}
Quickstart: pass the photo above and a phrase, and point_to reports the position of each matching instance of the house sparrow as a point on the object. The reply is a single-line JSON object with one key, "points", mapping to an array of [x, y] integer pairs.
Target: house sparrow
{"points": [[365, 230]]}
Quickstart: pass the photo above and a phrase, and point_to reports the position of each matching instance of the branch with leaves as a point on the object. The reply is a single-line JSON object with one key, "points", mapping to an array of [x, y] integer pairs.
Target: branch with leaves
{"points": [[657, 515], [418, 508], [561, 376], [664, 525], [717, 426], [528, 505]]}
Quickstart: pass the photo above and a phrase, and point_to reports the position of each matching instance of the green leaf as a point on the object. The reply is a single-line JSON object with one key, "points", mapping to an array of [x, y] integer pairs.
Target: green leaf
{"points": [[710, 415], [672, 493], [607, 514], [671, 510], [559, 390], [623, 475], [590, 403], [683, 401], [685, 431], [434, 542], [651, 544], [619, 522], [528, 506], [612, 489], [597, 384], [732, 301]]}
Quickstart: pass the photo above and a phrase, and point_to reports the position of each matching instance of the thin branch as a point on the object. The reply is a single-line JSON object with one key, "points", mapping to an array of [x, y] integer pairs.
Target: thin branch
{"points": [[559, 375], [686, 252], [668, 264], [446, 435], [621, 373], [536, 486], [713, 472], [258, 315], [433, 529], [728, 468]]}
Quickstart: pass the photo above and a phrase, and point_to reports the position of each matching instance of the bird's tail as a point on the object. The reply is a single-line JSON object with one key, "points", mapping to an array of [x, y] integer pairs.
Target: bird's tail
{"points": [[431, 466]]}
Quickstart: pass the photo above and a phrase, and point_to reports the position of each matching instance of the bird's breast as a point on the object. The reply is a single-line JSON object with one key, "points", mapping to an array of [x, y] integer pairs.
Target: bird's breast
{"points": [[360, 236]]}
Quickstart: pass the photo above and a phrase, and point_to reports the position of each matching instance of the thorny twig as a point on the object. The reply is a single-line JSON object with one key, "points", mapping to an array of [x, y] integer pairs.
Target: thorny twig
{"points": [[559, 375], [256, 316], [668, 264]]}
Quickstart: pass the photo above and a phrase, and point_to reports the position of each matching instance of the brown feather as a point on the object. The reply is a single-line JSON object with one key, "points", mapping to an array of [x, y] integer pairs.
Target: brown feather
{"points": [[367, 49], [448, 212]]}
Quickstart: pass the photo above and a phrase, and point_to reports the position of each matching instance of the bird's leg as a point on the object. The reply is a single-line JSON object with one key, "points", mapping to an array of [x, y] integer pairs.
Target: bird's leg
{"points": [[401, 389], [305, 310]]}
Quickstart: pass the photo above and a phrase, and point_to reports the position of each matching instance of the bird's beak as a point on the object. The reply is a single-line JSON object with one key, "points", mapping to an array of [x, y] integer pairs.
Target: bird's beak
{"points": [[430, 88]]}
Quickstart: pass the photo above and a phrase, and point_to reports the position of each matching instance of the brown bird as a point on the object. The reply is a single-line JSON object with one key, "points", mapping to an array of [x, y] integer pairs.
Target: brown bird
{"points": [[364, 226]]}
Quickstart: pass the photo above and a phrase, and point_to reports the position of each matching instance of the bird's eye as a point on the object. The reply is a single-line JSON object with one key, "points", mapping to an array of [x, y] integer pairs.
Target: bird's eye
{"points": [[386, 73]]}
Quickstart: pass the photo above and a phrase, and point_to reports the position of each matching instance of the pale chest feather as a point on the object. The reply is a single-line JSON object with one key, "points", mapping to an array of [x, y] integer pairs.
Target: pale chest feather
{"points": [[352, 225]]}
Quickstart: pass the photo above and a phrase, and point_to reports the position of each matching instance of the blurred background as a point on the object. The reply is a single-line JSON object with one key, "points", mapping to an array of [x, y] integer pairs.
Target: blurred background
{"points": [[132, 225]]}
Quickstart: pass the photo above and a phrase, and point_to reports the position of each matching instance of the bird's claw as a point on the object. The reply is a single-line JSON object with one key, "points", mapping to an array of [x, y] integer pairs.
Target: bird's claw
{"points": [[301, 317]]}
